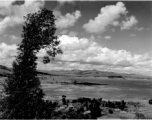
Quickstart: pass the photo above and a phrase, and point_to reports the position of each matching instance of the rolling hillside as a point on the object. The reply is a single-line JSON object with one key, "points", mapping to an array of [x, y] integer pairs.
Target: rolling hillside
{"points": [[5, 71]]}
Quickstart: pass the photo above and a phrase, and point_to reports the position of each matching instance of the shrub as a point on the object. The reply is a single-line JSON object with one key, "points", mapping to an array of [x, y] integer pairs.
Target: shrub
{"points": [[140, 116]]}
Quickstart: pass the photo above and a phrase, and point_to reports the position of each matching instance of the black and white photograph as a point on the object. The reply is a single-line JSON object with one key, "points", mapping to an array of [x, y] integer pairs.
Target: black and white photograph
{"points": [[75, 59]]}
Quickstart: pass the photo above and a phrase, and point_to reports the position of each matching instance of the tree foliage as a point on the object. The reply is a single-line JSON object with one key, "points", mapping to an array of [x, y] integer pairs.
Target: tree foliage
{"points": [[24, 95]]}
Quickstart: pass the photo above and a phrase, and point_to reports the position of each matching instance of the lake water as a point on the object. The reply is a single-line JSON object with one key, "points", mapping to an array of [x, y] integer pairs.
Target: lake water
{"points": [[115, 89]]}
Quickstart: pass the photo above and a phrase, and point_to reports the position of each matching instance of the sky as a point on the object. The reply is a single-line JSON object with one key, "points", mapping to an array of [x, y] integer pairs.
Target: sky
{"points": [[103, 35]]}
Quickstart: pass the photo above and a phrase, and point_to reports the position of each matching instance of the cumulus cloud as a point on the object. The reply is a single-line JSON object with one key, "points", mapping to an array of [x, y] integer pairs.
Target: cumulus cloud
{"points": [[83, 50], [6, 3], [116, 23], [7, 53], [67, 20], [7, 50], [107, 37], [109, 16], [83, 53], [13, 14], [90, 52], [130, 21]]}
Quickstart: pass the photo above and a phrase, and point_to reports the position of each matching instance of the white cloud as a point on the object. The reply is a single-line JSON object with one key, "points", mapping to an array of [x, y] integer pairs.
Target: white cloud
{"points": [[7, 53], [116, 23], [83, 49], [90, 52], [107, 37], [6, 49], [66, 21], [130, 21], [110, 16], [6, 3], [87, 54], [14, 13]]}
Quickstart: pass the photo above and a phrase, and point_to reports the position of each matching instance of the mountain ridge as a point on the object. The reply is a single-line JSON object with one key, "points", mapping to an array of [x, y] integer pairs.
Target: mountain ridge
{"points": [[5, 71]]}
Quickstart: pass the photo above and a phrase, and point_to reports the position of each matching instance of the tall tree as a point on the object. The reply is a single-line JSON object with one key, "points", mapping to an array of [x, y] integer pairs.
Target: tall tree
{"points": [[23, 90]]}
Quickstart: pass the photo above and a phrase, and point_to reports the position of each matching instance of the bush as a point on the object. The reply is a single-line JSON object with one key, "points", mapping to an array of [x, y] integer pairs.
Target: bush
{"points": [[140, 116]]}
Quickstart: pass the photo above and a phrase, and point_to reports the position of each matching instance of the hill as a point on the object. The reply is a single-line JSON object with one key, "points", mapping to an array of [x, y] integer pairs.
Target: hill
{"points": [[5, 71]]}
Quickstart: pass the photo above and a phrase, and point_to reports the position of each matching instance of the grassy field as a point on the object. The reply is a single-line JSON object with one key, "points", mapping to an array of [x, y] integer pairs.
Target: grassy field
{"points": [[56, 86], [113, 89], [108, 89]]}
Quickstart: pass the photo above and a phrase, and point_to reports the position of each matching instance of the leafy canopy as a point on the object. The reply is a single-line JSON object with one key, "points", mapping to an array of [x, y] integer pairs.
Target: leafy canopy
{"points": [[23, 91]]}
